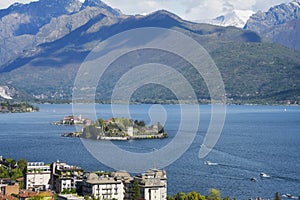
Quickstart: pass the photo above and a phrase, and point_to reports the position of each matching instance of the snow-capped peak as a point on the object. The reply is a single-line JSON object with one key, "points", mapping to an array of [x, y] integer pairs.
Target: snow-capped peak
{"points": [[237, 18]]}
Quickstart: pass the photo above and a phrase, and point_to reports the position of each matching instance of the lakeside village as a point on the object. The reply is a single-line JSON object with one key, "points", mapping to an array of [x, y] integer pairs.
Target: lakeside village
{"points": [[6, 107], [113, 129], [61, 181], [24, 180]]}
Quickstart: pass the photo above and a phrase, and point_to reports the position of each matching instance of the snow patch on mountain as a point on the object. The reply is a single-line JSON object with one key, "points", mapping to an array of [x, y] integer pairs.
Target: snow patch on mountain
{"points": [[237, 18], [3, 92]]}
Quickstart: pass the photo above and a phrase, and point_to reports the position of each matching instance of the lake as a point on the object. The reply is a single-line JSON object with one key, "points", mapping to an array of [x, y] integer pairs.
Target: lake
{"points": [[254, 139]]}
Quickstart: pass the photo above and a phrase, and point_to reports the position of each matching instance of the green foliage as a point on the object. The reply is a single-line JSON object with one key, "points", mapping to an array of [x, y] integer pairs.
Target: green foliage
{"points": [[14, 169], [69, 191], [139, 123], [252, 70], [3, 172], [55, 196], [11, 162], [136, 193], [36, 198], [277, 196], [214, 195], [19, 107], [189, 196], [22, 163], [86, 197], [21, 185], [16, 173]]}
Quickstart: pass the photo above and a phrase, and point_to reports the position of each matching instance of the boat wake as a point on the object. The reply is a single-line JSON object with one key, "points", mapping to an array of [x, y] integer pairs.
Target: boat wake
{"points": [[210, 163]]}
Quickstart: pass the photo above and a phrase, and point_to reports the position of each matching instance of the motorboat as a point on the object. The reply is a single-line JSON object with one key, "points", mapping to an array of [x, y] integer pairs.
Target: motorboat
{"points": [[253, 179], [210, 163], [263, 175], [288, 196]]}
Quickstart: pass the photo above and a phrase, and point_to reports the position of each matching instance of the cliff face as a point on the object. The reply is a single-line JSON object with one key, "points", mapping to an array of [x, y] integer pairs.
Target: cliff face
{"points": [[281, 24]]}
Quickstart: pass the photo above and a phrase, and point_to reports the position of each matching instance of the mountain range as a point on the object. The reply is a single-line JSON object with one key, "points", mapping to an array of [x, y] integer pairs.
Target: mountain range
{"points": [[41, 53], [281, 24]]}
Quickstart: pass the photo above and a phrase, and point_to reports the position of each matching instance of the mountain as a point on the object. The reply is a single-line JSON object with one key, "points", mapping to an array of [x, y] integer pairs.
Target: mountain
{"points": [[253, 69], [281, 24], [24, 26], [237, 18]]}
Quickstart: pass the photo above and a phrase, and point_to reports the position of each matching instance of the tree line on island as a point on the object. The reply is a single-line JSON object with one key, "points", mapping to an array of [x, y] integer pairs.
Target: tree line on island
{"points": [[15, 107], [115, 129]]}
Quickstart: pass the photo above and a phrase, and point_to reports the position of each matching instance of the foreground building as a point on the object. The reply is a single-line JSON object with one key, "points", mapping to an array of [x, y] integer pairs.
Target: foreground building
{"points": [[64, 176], [37, 176], [119, 185], [153, 184], [9, 188], [103, 187]]}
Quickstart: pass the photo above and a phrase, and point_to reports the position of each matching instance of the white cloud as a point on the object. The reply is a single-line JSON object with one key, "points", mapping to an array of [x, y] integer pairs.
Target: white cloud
{"points": [[194, 10], [7, 3]]}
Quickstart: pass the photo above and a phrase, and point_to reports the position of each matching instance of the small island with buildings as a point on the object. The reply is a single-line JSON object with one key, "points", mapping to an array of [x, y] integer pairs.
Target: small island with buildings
{"points": [[113, 129], [73, 121]]}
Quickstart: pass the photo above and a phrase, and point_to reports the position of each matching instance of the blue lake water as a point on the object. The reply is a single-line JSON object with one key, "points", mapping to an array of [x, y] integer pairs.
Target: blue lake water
{"points": [[254, 139]]}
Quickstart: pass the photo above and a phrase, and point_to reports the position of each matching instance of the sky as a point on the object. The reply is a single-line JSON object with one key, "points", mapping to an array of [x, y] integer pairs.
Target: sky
{"points": [[193, 10]]}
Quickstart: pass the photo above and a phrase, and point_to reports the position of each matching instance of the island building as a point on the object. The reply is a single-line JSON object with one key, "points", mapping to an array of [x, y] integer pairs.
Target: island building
{"points": [[64, 176], [37, 176]]}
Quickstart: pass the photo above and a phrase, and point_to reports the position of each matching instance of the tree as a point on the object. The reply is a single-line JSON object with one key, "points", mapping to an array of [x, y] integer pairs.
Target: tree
{"points": [[11, 162], [16, 173], [190, 196], [22, 163], [3, 172], [136, 193], [277, 196], [214, 195], [194, 196]]}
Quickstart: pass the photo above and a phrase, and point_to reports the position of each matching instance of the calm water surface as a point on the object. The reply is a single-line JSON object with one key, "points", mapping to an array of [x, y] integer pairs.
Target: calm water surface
{"points": [[255, 139]]}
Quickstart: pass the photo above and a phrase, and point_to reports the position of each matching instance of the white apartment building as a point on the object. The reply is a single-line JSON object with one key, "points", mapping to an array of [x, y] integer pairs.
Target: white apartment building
{"points": [[103, 187], [153, 184], [37, 176], [64, 176]]}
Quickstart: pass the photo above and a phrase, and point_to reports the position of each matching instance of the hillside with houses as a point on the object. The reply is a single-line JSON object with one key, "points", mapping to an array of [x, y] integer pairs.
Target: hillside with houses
{"points": [[63, 181]]}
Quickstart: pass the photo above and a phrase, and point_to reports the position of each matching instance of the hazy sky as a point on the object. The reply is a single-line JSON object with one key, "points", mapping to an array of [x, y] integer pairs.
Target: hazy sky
{"points": [[193, 10]]}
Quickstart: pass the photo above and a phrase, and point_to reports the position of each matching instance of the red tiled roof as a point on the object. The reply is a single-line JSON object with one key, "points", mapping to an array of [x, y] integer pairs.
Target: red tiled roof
{"points": [[20, 179], [27, 194]]}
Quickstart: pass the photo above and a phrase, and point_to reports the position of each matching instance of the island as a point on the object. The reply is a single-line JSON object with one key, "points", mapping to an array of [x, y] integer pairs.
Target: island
{"points": [[73, 121], [120, 129], [14, 107]]}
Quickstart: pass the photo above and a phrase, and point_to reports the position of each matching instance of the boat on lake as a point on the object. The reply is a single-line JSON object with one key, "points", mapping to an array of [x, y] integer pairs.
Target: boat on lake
{"points": [[210, 163], [263, 175]]}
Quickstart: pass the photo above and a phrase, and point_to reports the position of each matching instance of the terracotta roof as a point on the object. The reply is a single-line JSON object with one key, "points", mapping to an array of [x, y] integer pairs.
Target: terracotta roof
{"points": [[20, 179], [4, 197], [27, 194]]}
